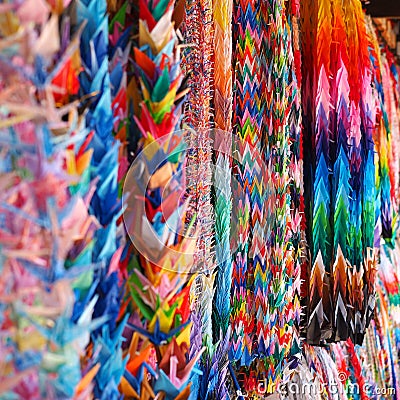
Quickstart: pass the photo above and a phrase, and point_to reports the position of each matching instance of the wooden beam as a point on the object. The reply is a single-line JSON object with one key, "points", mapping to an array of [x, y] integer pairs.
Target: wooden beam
{"points": [[383, 8]]}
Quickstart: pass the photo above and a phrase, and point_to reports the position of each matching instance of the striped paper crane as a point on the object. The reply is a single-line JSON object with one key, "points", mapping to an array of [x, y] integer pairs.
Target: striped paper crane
{"points": [[246, 123], [264, 271], [277, 56]]}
